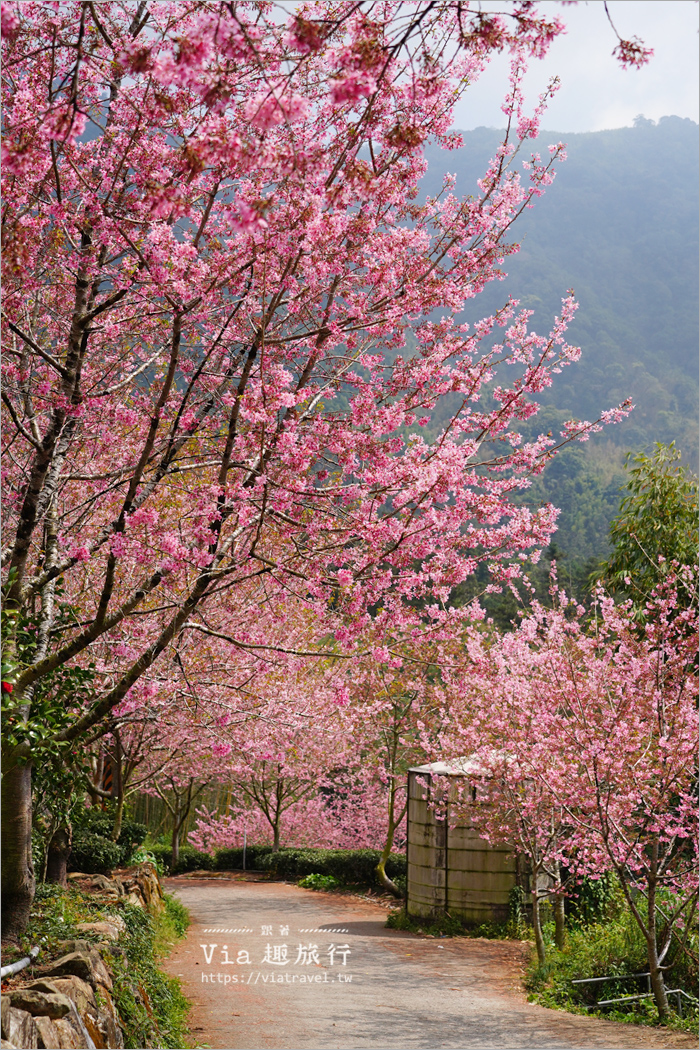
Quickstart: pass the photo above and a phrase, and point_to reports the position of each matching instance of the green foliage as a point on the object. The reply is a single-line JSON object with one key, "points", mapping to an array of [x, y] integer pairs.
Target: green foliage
{"points": [[657, 524], [318, 882], [143, 855], [190, 859], [176, 914], [592, 900], [151, 1006], [54, 916], [450, 926], [93, 850], [232, 859], [55, 701], [613, 947], [94, 854], [349, 867]]}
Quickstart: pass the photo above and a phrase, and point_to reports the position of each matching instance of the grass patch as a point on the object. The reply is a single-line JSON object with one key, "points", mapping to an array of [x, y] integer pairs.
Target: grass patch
{"points": [[612, 947], [170, 927], [151, 1007], [448, 926]]}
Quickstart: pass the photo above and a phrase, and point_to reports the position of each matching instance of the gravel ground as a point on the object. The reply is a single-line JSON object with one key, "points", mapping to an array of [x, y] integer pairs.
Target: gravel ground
{"points": [[270, 965]]}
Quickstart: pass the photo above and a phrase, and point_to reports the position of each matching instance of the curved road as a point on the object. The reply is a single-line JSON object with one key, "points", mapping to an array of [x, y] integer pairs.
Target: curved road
{"points": [[269, 965]]}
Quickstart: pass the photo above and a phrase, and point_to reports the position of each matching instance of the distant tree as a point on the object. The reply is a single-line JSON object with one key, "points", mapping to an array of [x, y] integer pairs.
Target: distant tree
{"points": [[657, 525]]}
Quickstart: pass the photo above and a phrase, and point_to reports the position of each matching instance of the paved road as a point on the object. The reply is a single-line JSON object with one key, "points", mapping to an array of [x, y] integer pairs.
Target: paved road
{"points": [[269, 965]]}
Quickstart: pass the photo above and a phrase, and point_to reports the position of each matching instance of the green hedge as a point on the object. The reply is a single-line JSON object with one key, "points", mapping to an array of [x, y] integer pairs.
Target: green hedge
{"points": [[232, 859], [190, 859], [92, 849], [348, 866]]}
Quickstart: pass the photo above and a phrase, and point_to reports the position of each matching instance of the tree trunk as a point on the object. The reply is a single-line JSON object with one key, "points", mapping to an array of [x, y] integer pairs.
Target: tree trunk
{"points": [[18, 881], [117, 786], [382, 878], [657, 979], [57, 854], [656, 973], [536, 922], [559, 920], [276, 835], [175, 841]]}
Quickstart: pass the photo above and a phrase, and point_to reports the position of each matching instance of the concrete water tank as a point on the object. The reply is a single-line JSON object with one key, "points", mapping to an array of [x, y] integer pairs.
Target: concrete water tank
{"points": [[453, 870]]}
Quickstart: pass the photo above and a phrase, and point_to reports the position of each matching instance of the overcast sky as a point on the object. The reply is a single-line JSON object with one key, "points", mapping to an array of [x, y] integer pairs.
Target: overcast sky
{"points": [[596, 93]]}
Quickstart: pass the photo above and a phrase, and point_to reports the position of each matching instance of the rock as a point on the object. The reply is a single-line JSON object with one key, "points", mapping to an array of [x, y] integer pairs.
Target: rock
{"points": [[74, 1028], [141, 887], [76, 946], [40, 1003], [101, 882], [74, 988], [68, 1036], [6, 1004], [21, 1030], [49, 1037], [86, 965], [7, 1046], [110, 929]]}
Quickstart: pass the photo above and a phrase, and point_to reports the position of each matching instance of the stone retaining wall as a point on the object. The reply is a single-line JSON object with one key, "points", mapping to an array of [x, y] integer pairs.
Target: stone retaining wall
{"points": [[67, 1003]]}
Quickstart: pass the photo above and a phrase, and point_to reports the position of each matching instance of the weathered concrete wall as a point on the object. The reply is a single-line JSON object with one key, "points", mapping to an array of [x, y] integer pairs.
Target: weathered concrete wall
{"points": [[452, 869]]}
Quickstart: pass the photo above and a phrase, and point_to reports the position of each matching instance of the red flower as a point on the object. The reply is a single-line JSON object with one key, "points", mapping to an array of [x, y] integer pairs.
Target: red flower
{"points": [[7, 687]]}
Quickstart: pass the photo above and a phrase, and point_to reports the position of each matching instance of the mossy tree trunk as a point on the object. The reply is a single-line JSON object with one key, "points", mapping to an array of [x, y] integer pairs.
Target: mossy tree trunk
{"points": [[57, 854], [18, 881], [393, 822]]}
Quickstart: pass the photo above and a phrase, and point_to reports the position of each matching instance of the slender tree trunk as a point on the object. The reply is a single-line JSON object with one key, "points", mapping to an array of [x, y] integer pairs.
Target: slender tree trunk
{"points": [[559, 911], [175, 841], [536, 918], [276, 834], [382, 878], [57, 854], [658, 986], [117, 786], [657, 979], [18, 881], [559, 920]]}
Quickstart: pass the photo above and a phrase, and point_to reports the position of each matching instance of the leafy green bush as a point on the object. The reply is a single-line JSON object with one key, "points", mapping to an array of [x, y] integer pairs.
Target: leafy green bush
{"points": [[232, 859], [592, 900], [162, 854], [318, 882], [93, 850], [349, 867], [190, 859], [94, 854], [613, 948]]}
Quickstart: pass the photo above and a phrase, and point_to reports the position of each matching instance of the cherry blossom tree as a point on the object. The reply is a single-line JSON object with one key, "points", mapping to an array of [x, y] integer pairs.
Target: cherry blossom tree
{"points": [[597, 731], [214, 257]]}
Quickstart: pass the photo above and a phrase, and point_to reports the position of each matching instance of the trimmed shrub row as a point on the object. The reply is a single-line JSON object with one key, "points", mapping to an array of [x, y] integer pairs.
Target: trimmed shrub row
{"points": [[190, 859], [348, 866], [92, 848]]}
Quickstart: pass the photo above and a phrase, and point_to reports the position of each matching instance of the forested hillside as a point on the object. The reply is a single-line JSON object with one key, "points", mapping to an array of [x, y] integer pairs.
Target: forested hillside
{"points": [[619, 226]]}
